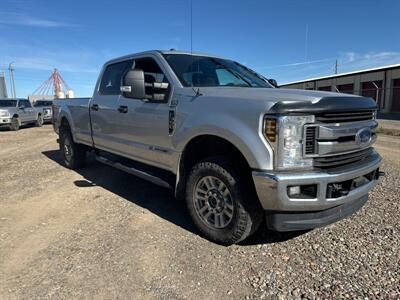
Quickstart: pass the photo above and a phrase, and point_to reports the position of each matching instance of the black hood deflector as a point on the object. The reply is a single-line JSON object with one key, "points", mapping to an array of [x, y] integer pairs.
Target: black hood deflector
{"points": [[325, 104]]}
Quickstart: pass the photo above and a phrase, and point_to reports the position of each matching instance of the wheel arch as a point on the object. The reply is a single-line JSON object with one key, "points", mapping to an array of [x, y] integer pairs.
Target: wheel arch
{"points": [[203, 146], [65, 122]]}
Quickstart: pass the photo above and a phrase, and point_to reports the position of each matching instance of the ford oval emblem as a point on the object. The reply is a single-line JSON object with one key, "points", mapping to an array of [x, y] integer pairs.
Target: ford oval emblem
{"points": [[363, 136]]}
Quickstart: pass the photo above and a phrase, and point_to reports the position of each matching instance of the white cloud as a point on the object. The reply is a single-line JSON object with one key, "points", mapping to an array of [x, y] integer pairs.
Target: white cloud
{"points": [[352, 61], [348, 62], [20, 19], [301, 63]]}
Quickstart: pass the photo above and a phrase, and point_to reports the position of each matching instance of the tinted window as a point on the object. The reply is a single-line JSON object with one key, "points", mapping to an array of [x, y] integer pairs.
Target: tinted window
{"points": [[152, 73], [27, 104], [8, 103], [24, 103], [211, 71], [111, 81], [43, 103]]}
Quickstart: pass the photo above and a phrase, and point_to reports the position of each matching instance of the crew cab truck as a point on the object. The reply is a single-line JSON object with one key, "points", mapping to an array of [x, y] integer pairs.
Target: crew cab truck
{"points": [[17, 112], [236, 148]]}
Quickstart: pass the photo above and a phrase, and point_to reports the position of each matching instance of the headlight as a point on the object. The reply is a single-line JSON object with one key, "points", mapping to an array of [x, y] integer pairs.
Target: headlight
{"points": [[286, 136], [4, 113]]}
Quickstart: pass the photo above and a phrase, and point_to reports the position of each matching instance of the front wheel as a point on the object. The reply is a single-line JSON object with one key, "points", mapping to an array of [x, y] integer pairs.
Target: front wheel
{"points": [[221, 206], [15, 124], [74, 155]]}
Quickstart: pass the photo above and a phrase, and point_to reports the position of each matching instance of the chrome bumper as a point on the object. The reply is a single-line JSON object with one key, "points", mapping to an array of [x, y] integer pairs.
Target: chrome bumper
{"points": [[272, 187]]}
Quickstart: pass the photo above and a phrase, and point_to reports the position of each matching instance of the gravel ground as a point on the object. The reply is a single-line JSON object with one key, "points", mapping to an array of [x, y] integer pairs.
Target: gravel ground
{"points": [[99, 233]]}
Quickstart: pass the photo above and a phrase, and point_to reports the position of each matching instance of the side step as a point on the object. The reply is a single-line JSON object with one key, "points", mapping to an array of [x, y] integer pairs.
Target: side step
{"points": [[131, 170]]}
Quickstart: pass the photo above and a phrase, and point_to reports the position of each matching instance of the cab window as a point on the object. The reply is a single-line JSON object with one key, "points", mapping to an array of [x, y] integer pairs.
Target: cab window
{"points": [[111, 81], [27, 104], [152, 74]]}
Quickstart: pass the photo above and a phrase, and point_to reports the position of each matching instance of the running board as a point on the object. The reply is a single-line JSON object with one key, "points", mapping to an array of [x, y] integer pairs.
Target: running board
{"points": [[133, 171]]}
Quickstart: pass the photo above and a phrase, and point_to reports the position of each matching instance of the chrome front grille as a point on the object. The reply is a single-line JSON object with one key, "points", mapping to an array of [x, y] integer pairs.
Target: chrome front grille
{"points": [[341, 117], [341, 159], [334, 139]]}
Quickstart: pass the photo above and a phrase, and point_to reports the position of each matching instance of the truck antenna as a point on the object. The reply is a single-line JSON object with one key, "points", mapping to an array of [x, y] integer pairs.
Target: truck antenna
{"points": [[197, 91]]}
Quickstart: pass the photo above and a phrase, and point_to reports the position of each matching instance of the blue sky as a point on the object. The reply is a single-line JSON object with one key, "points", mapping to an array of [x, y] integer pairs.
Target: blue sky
{"points": [[285, 40]]}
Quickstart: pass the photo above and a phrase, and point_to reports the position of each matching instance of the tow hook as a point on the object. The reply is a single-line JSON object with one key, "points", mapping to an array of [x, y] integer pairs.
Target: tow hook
{"points": [[381, 174]]}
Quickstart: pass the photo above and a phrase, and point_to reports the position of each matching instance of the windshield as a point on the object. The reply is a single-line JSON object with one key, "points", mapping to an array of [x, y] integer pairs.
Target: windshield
{"points": [[8, 103], [42, 103], [204, 71]]}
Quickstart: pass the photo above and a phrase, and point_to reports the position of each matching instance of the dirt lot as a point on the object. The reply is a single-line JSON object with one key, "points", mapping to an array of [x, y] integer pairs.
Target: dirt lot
{"points": [[99, 233]]}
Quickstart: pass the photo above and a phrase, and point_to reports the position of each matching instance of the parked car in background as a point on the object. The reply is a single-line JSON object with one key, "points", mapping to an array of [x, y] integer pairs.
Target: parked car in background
{"points": [[17, 112], [45, 107], [226, 140]]}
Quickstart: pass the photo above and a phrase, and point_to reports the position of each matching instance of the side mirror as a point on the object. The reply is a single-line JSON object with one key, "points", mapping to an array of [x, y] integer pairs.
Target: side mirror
{"points": [[21, 107], [133, 84], [273, 82]]}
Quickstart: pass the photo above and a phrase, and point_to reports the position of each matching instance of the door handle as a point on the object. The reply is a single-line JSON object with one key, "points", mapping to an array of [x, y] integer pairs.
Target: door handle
{"points": [[95, 107], [123, 109]]}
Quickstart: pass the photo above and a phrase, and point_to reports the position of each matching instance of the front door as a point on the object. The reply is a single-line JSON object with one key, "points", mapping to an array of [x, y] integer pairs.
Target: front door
{"points": [[104, 113], [133, 128], [23, 111]]}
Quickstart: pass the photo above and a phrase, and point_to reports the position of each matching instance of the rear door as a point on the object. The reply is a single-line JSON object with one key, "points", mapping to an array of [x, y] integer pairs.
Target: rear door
{"points": [[30, 111]]}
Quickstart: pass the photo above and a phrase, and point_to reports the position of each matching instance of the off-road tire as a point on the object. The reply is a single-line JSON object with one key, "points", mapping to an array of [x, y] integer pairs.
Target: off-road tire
{"points": [[39, 121], [15, 124], [248, 213], [77, 155]]}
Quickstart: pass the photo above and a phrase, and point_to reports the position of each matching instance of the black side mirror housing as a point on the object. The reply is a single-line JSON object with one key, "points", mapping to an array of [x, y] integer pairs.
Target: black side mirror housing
{"points": [[273, 82], [133, 84]]}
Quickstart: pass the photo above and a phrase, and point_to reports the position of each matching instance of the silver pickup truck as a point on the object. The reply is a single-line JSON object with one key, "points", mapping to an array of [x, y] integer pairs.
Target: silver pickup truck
{"points": [[17, 112], [236, 148], [45, 106]]}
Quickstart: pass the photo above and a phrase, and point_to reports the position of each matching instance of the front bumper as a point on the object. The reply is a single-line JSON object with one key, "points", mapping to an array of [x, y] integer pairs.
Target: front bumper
{"points": [[5, 121], [272, 187], [284, 221]]}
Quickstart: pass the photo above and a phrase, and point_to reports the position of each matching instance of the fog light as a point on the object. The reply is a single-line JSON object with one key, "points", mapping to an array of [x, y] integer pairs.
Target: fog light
{"points": [[308, 191], [294, 190]]}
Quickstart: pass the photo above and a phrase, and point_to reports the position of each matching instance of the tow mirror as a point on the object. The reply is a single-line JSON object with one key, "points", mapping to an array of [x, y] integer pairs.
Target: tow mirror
{"points": [[273, 82], [133, 84]]}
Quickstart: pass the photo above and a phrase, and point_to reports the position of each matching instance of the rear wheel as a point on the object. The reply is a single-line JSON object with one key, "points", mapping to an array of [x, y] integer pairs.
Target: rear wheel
{"points": [[221, 206], [74, 155], [39, 121], [15, 124]]}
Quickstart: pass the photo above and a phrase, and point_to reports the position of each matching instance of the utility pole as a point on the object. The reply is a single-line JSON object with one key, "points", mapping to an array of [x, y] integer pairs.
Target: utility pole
{"points": [[336, 66], [12, 82]]}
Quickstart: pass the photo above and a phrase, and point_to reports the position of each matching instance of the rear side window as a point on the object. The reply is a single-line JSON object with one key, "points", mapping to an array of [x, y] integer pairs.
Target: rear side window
{"points": [[111, 81], [24, 103]]}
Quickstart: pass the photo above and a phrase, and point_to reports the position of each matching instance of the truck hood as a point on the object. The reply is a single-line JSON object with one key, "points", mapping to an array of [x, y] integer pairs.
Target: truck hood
{"points": [[292, 100]]}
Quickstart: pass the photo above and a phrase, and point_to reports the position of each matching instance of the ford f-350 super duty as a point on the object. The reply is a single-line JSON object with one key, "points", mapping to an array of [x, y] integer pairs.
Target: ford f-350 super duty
{"points": [[236, 148]]}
